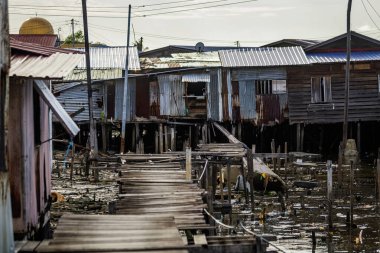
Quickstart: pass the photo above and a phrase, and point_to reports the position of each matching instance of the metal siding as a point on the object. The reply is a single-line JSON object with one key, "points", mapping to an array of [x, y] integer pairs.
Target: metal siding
{"points": [[214, 99], [96, 74], [259, 74], [154, 99], [55, 66], [76, 98], [261, 57], [247, 97], [131, 100], [172, 90], [119, 89], [229, 87]]}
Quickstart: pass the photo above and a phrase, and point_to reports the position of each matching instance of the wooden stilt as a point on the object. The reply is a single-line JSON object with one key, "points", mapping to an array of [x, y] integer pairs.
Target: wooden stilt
{"points": [[298, 137], [104, 137], [302, 136], [239, 131], [156, 142], [358, 137], [188, 163], [160, 138], [172, 139], [189, 144], [329, 191], [137, 138], [166, 138]]}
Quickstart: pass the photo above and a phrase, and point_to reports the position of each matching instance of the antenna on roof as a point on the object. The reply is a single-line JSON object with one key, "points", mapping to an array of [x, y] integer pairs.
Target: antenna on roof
{"points": [[200, 47]]}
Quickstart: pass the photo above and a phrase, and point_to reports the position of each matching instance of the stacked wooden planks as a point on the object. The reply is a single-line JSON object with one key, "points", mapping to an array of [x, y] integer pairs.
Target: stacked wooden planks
{"points": [[160, 188], [114, 233]]}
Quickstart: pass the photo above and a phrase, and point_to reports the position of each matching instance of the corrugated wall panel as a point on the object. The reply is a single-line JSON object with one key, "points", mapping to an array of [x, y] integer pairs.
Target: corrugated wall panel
{"points": [[214, 99], [247, 97], [257, 74], [172, 90], [131, 99], [76, 98]]}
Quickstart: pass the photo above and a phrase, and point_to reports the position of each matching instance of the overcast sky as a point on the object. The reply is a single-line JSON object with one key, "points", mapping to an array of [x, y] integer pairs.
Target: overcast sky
{"points": [[252, 23]]}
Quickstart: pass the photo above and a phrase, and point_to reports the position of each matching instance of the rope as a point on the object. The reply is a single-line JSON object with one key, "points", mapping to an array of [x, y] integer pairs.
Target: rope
{"points": [[262, 238], [203, 172], [70, 146], [220, 223]]}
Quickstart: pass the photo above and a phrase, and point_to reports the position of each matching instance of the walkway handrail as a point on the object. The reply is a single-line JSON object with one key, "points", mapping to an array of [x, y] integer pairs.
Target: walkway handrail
{"points": [[204, 169]]}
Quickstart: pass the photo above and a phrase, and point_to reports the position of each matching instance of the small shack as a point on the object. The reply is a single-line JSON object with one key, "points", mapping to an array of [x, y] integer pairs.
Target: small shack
{"points": [[107, 75], [317, 92], [33, 67]]}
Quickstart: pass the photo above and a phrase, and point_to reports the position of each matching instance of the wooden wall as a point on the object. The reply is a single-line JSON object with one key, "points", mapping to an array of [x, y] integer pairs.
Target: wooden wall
{"points": [[29, 161], [364, 93]]}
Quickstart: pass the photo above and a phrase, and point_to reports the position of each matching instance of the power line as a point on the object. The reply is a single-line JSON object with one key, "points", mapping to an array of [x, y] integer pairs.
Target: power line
{"points": [[192, 9], [59, 8], [167, 3], [369, 15], [373, 8]]}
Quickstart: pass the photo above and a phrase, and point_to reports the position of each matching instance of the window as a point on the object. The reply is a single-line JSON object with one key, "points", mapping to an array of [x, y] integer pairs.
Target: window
{"points": [[321, 89], [266, 87]]}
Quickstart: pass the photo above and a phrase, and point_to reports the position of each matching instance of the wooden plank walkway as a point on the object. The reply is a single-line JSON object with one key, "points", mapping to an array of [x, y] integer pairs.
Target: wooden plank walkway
{"points": [[161, 189], [115, 233]]}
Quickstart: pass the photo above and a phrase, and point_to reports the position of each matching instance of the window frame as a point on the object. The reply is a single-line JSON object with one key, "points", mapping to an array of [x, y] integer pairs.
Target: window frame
{"points": [[324, 89]]}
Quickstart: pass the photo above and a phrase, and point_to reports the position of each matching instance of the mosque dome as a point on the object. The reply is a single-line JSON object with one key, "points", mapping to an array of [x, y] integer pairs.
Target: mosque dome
{"points": [[36, 25]]}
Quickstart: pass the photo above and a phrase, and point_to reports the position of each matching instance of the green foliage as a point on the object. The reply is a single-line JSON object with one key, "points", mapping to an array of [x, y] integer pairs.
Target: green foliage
{"points": [[78, 38]]}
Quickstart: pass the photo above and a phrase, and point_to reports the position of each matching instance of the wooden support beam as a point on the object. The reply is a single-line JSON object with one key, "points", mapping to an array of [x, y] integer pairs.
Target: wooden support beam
{"points": [[358, 137], [329, 192], [188, 163], [166, 147], [161, 139], [173, 138]]}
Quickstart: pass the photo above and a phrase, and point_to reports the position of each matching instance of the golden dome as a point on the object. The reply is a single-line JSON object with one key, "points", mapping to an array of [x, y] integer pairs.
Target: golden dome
{"points": [[36, 26]]}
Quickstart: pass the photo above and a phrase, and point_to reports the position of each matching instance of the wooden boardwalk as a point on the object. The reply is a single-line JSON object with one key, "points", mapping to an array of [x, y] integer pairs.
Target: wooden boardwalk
{"points": [[113, 233], [161, 189]]}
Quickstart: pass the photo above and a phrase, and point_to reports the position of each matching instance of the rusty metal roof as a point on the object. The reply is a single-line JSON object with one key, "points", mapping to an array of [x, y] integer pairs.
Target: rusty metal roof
{"points": [[111, 58], [183, 60], [18, 47], [54, 66], [263, 57], [341, 57], [47, 40]]}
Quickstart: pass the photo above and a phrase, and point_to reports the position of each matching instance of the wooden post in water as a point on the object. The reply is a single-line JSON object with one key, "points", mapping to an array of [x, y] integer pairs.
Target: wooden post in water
{"points": [[166, 137], [378, 179], [250, 177], [137, 139], [172, 139], [188, 163], [330, 191], [156, 142], [286, 162], [298, 137], [161, 139], [358, 137], [340, 167], [273, 150]]}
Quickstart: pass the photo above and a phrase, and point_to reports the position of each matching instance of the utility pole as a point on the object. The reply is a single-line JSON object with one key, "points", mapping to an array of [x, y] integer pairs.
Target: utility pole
{"points": [[6, 225], [93, 138], [72, 33], [125, 93], [347, 84]]}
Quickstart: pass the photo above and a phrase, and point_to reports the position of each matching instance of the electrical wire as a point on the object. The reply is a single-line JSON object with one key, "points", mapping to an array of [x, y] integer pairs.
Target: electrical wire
{"points": [[373, 8], [192, 9], [369, 15]]}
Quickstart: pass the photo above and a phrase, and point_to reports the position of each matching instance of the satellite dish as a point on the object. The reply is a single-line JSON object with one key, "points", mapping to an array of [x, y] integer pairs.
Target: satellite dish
{"points": [[200, 47]]}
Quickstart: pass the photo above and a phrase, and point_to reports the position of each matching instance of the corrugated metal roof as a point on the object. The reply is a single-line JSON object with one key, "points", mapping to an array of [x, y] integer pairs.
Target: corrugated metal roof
{"points": [[263, 57], [47, 40], [96, 74], [195, 78], [341, 57], [37, 49], [55, 66], [111, 58], [183, 60]]}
